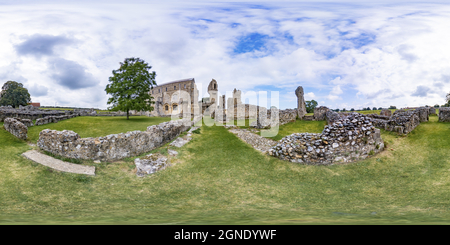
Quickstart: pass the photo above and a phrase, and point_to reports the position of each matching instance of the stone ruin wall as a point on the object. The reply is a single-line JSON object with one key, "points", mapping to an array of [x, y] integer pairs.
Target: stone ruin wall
{"points": [[28, 113], [348, 139], [16, 128], [320, 113], [444, 114], [16, 125], [401, 121], [112, 147]]}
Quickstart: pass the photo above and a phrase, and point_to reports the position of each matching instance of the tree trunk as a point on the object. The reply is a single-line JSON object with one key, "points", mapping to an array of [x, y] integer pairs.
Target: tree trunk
{"points": [[128, 117]]}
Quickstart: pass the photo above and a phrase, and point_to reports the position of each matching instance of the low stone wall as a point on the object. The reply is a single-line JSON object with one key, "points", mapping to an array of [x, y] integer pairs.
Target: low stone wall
{"points": [[432, 111], [320, 113], [444, 114], [28, 113], [386, 112], [403, 122], [53, 119], [287, 116], [26, 122], [112, 147], [349, 138], [16, 128]]}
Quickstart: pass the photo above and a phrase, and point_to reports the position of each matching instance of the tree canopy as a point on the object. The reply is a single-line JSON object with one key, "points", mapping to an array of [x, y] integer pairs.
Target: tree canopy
{"points": [[310, 105], [130, 85], [14, 94]]}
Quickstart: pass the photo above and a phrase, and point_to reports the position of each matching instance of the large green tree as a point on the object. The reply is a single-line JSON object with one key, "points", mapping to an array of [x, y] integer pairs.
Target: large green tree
{"points": [[310, 105], [14, 94], [130, 85]]}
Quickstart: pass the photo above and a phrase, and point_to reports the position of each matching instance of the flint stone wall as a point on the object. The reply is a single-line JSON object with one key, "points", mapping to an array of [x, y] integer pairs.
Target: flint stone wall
{"points": [[432, 111], [112, 147], [26, 122], [320, 113], [53, 119], [444, 114], [348, 139], [27, 113], [16, 128], [386, 112], [264, 120]]}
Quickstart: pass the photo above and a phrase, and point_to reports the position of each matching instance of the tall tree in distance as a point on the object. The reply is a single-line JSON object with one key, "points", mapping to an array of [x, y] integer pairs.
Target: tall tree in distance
{"points": [[130, 85], [14, 94], [310, 105]]}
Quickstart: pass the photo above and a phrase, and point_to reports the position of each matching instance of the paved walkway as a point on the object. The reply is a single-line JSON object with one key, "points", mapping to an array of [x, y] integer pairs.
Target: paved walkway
{"points": [[58, 164]]}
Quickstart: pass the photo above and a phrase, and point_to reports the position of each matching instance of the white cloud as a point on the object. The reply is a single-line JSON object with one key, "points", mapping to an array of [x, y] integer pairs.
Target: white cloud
{"points": [[394, 54]]}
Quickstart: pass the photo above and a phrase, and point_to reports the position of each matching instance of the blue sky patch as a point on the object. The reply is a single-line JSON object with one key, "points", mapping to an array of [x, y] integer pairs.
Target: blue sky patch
{"points": [[362, 40], [251, 42]]}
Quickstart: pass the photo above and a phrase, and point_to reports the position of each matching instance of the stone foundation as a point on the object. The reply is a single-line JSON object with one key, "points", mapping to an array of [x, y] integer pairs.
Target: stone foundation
{"points": [[16, 128], [444, 114], [348, 139], [112, 147]]}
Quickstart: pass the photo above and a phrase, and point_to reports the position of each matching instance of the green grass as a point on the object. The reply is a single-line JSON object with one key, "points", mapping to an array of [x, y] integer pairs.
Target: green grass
{"points": [[98, 126], [218, 179]]}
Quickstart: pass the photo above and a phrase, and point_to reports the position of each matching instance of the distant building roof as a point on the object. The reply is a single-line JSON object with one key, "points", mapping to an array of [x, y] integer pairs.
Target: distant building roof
{"points": [[177, 81]]}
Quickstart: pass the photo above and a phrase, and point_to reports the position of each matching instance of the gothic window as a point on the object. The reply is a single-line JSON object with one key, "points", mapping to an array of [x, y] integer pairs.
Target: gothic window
{"points": [[175, 87], [175, 107], [166, 89], [185, 86], [167, 107], [214, 86]]}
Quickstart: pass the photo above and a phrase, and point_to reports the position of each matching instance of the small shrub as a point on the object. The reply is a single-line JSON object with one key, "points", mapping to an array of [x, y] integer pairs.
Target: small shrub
{"points": [[371, 153], [197, 131], [378, 146]]}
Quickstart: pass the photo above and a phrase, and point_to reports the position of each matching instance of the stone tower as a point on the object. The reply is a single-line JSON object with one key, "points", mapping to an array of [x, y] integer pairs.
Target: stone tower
{"points": [[301, 105], [212, 91]]}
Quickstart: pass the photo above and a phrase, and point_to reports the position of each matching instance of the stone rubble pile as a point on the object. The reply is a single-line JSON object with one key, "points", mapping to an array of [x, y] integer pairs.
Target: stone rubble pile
{"points": [[348, 139], [16, 128], [150, 164]]}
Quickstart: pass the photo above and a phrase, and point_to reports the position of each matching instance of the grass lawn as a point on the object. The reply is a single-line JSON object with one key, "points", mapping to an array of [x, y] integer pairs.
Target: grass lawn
{"points": [[218, 179]]}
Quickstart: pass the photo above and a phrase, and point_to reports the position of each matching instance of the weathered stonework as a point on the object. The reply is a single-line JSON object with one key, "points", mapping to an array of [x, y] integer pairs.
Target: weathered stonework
{"points": [[348, 139], [112, 147], [444, 114], [16, 128], [320, 113], [432, 111], [150, 164], [170, 96], [301, 105], [28, 112], [386, 112]]}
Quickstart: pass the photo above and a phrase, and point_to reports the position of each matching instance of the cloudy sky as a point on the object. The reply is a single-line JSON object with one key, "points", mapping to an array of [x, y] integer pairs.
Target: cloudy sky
{"points": [[345, 54]]}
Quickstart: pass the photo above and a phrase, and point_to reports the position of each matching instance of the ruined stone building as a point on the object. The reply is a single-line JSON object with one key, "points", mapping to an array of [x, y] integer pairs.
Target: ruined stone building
{"points": [[169, 97]]}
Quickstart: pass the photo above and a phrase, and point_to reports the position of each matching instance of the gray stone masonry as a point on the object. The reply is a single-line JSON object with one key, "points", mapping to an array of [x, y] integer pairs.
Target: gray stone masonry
{"points": [[301, 105], [150, 164], [320, 113], [16, 128], [112, 147], [444, 114], [348, 139]]}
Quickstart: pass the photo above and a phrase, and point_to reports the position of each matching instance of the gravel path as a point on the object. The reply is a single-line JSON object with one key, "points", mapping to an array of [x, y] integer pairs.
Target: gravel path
{"points": [[258, 142], [58, 164]]}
